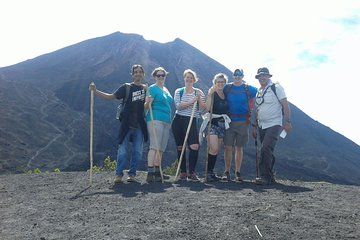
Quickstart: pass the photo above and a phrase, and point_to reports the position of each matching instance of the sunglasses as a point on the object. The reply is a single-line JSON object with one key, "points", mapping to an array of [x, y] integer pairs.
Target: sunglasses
{"points": [[260, 97], [259, 100], [160, 75], [220, 81], [238, 75]]}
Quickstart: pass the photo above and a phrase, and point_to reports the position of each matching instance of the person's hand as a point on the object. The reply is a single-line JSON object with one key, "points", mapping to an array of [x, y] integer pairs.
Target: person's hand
{"points": [[149, 99], [211, 90], [287, 127], [92, 87], [254, 131]]}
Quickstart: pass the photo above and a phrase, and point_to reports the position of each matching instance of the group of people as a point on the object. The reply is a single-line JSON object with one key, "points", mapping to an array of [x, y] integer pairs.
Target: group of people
{"points": [[228, 111]]}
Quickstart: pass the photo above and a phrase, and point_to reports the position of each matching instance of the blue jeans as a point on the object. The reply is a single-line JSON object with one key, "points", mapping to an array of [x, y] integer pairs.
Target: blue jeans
{"points": [[137, 139]]}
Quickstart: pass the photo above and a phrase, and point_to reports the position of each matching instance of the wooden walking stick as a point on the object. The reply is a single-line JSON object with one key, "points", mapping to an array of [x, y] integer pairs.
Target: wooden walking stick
{"points": [[208, 135], [91, 131], [185, 140], [257, 156], [156, 142]]}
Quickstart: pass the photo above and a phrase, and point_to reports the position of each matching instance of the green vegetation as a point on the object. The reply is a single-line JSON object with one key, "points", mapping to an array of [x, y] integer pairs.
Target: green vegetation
{"points": [[171, 170], [109, 166], [38, 171]]}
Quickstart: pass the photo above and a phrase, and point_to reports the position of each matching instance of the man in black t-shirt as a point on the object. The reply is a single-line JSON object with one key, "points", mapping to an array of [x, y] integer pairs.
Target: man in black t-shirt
{"points": [[133, 124]]}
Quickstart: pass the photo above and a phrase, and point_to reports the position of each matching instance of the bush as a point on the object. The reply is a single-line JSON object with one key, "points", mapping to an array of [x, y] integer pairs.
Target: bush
{"points": [[37, 171], [109, 166], [171, 170], [56, 170]]}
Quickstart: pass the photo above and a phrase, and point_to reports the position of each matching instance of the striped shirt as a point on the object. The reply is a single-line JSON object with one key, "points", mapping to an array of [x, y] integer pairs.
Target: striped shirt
{"points": [[187, 97]]}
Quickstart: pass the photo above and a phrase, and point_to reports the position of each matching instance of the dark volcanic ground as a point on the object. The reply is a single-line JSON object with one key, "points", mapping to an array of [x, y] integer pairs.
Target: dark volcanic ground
{"points": [[61, 206]]}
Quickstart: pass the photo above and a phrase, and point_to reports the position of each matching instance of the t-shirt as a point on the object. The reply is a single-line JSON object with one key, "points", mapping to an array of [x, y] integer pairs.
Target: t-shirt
{"points": [[269, 111], [161, 105], [187, 97], [136, 100], [237, 101]]}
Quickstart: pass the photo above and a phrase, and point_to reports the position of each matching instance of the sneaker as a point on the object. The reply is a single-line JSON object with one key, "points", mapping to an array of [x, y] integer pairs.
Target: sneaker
{"points": [[118, 179], [166, 177], [157, 177], [211, 177], [150, 177], [226, 177], [261, 181], [193, 177], [238, 177], [131, 179], [183, 176], [273, 180]]}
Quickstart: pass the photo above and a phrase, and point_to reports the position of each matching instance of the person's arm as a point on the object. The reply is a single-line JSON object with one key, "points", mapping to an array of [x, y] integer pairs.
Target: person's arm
{"points": [[106, 96], [180, 105], [210, 98], [201, 99], [287, 115], [148, 99]]}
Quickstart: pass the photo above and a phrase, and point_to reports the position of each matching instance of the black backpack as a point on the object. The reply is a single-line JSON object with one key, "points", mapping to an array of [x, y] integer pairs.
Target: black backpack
{"points": [[273, 88], [122, 103]]}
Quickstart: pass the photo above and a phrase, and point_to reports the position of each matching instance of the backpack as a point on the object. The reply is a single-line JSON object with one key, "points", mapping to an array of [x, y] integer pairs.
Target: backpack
{"points": [[273, 88], [122, 103], [182, 92]]}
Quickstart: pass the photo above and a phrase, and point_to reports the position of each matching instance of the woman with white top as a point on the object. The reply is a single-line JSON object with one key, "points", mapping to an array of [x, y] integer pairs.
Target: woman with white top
{"points": [[184, 99]]}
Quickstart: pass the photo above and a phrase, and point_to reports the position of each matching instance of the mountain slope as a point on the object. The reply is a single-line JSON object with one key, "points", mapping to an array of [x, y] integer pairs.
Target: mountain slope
{"points": [[45, 111]]}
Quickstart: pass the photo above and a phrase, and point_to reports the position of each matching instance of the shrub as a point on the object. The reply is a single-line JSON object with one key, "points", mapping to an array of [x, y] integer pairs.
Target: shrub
{"points": [[171, 170], [56, 170]]}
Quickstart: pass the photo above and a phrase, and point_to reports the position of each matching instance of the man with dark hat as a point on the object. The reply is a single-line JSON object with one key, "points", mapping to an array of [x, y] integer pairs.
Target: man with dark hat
{"points": [[272, 116]]}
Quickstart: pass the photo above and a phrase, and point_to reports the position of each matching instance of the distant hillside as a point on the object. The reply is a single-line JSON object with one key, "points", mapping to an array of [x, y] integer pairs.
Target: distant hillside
{"points": [[44, 107]]}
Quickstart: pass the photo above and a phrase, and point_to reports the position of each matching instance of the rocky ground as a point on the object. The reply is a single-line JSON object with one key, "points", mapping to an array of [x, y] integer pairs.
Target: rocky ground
{"points": [[62, 206]]}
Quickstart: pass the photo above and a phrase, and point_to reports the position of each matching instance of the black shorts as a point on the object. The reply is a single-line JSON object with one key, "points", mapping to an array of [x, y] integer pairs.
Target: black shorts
{"points": [[179, 126]]}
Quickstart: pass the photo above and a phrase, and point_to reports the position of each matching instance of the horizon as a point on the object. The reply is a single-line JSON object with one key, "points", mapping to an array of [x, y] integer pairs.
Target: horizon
{"points": [[311, 43]]}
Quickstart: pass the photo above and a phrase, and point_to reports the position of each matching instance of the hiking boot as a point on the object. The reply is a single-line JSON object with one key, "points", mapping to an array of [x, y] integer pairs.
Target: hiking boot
{"points": [[238, 177], [131, 179], [118, 179], [157, 177], [183, 176], [226, 177], [150, 177], [261, 181], [193, 177]]}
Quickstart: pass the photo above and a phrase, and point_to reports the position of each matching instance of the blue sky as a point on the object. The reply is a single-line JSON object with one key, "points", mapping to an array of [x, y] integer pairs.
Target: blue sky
{"points": [[311, 47]]}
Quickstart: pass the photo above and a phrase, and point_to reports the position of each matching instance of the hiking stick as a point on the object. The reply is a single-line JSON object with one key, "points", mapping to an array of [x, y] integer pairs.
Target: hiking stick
{"points": [[208, 134], [257, 155], [91, 132], [156, 142], [185, 140]]}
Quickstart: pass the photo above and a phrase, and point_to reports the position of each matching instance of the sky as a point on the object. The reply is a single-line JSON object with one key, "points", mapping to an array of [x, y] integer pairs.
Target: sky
{"points": [[310, 47]]}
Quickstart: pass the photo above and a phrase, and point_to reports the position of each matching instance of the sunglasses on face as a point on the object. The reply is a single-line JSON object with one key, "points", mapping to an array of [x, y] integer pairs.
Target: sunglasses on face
{"points": [[238, 75], [220, 81], [160, 75]]}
